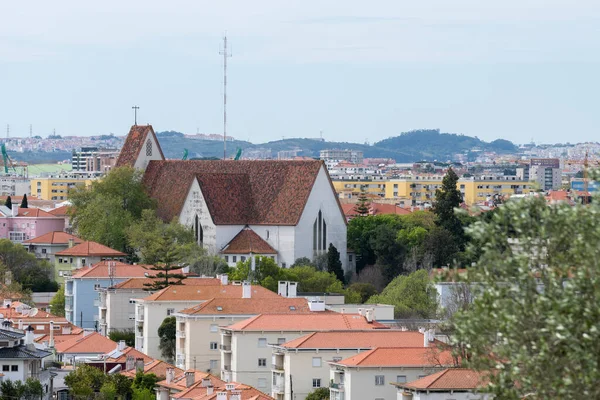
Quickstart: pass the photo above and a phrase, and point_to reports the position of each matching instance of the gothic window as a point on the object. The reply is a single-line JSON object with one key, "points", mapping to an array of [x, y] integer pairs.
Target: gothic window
{"points": [[319, 233], [198, 231], [149, 148]]}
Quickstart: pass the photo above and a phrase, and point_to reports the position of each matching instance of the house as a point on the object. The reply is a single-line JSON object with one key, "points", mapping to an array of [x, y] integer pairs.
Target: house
{"points": [[303, 361], [63, 212], [226, 391], [451, 383], [82, 255], [82, 289], [375, 209], [198, 337], [117, 306], [290, 206], [80, 349], [21, 316], [368, 375], [176, 382], [152, 310], [121, 358], [156, 367], [245, 344], [20, 224], [47, 245]]}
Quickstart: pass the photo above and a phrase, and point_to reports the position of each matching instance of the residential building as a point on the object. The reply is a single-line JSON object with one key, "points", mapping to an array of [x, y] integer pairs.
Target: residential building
{"points": [[57, 187], [82, 288], [82, 348], [117, 303], [63, 212], [84, 254], [156, 367], [20, 224], [151, 311], [14, 186], [47, 245], [290, 205], [368, 375], [198, 336], [544, 172], [374, 209], [300, 365], [351, 156], [94, 160], [452, 383], [245, 345], [177, 382], [381, 312]]}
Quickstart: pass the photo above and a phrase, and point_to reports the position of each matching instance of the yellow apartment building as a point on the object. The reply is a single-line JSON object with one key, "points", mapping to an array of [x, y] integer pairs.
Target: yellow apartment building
{"points": [[351, 189], [57, 188]]}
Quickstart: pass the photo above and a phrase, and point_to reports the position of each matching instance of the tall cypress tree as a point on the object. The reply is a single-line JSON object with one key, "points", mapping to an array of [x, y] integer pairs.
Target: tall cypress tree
{"points": [[446, 200], [334, 264], [24, 202], [8, 202], [363, 205]]}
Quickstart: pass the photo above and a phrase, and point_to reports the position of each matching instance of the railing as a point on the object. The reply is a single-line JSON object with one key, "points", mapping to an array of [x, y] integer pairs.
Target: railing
{"points": [[337, 386], [278, 366], [225, 347]]}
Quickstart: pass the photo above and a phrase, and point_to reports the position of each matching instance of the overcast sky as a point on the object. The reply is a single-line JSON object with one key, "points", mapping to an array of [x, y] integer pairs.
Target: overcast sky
{"points": [[356, 70]]}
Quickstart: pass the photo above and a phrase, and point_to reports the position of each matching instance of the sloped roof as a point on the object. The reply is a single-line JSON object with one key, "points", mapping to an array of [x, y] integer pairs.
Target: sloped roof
{"points": [[251, 306], [57, 237], [34, 213], [156, 367], [92, 343], [22, 352], [357, 339], [179, 380], [121, 356], [315, 321], [121, 270], [449, 379], [58, 338], [87, 249], [398, 357], [61, 211], [375, 209], [198, 392], [236, 192], [133, 145], [141, 283], [247, 241], [191, 293]]}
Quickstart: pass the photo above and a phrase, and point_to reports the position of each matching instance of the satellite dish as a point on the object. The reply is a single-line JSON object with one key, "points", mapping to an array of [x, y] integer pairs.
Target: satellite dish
{"points": [[33, 312]]}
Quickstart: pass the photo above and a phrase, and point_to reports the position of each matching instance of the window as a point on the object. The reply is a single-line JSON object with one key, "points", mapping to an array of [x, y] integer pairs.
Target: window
{"points": [[316, 383], [267, 234], [83, 261], [262, 383], [283, 265], [213, 345], [131, 317], [14, 368], [233, 258], [71, 260], [214, 328], [262, 362], [149, 148], [242, 258], [60, 273], [96, 286], [319, 233], [198, 231], [60, 260], [170, 311], [5, 368], [43, 251], [212, 364], [350, 257], [226, 259], [379, 380], [401, 379], [316, 361], [281, 340], [262, 342]]}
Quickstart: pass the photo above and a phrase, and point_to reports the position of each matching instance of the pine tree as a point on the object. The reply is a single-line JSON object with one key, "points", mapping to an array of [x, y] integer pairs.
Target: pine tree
{"points": [[334, 264], [24, 202], [8, 202], [363, 205]]}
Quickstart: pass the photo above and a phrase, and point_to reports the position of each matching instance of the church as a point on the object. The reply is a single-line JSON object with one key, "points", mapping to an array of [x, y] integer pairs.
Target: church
{"points": [[241, 208]]}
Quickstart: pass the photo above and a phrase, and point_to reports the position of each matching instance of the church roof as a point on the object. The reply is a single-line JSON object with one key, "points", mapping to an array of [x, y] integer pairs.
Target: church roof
{"points": [[134, 144], [236, 192], [246, 242]]}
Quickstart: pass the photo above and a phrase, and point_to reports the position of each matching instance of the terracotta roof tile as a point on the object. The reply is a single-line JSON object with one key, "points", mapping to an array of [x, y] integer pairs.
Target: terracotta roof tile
{"points": [[264, 192], [34, 213], [375, 209], [133, 145], [121, 356], [156, 367], [399, 357], [316, 321], [246, 242], [252, 306], [357, 339], [121, 270], [62, 211], [57, 237], [179, 381], [58, 338], [198, 392], [92, 343], [87, 249], [200, 293], [449, 379], [140, 283]]}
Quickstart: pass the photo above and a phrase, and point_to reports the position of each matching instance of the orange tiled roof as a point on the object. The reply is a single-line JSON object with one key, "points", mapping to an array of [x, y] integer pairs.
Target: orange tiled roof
{"points": [[449, 379], [92, 343], [56, 237], [316, 321], [399, 357], [134, 143], [58, 338], [34, 213], [87, 249], [129, 351], [140, 283], [60, 211], [179, 381], [236, 192], [198, 392], [156, 367], [247, 241], [375, 209], [357, 339], [121, 270], [183, 292], [252, 306]]}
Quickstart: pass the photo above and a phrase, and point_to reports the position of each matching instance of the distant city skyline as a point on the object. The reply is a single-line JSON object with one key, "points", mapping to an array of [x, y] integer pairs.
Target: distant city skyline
{"points": [[357, 71]]}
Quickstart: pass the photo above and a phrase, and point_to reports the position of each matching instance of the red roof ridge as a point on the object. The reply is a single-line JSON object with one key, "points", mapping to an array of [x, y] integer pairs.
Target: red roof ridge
{"points": [[248, 241], [88, 248], [134, 143]]}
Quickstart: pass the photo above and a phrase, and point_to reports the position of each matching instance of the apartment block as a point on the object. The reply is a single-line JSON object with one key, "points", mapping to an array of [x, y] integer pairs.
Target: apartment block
{"points": [[57, 188]]}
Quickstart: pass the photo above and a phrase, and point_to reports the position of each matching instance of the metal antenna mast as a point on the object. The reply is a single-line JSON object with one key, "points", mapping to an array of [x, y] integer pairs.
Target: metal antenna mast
{"points": [[30, 131], [135, 108], [225, 55]]}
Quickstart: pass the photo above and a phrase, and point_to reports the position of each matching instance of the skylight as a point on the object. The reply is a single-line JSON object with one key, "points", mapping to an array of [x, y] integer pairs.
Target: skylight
{"points": [[293, 308], [219, 308]]}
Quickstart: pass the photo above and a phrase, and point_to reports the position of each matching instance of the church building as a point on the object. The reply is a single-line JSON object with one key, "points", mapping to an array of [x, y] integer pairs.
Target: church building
{"points": [[241, 208]]}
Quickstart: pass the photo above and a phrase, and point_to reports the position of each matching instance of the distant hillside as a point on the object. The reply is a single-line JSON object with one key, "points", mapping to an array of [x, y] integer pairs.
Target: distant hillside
{"points": [[408, 147]]}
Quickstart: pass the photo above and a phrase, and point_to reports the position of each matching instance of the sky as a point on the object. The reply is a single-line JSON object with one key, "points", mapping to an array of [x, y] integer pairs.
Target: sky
{"points": [[357, 71]]}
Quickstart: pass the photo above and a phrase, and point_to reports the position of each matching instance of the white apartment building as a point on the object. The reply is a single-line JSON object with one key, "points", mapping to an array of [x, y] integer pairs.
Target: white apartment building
{"points": [[245, 352], [301, 365], [452, 383]]}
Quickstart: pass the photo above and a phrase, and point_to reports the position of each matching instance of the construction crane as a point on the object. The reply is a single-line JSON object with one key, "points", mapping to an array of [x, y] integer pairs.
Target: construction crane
{"points": [[238, 154], [185, 154], [7, 160]]}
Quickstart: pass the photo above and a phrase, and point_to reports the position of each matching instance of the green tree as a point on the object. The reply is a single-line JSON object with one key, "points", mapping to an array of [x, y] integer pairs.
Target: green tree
{"points": [[84, 381], [8, 202], [319, 394], [363, 204], [166, 333], [447, 198], [31, 273], [364, 290], [128, 335], [539, 271], [144, 381], [334, 264], [208, 265], [57, 304], [11, 390], [108, 391], [411, 295], [24, 203], [33, 389]]}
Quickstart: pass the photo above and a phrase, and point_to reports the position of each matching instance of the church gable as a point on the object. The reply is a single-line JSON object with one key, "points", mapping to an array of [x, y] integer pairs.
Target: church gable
{"points": [[140, 147]]}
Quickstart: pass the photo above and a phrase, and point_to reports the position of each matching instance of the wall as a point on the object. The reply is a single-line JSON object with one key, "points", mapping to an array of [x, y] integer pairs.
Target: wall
{"points": [[143, 159], [448, 395], [85, 299], [119, 308], [66, 265], [31, 227], [360, 383], [46, 251], [195, 204], [43, 188]]}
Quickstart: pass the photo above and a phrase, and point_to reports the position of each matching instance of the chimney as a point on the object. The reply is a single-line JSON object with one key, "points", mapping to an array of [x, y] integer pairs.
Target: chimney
{"points": [[71, 242], [15, 210], [246, 290], [121, 346], [282, 288], [206, 382], [189, 378], [425, 339], [209, 390], [139, 365], [170, 375], [21, 324], [224, 279], [369, 314], [316, 305], [130, 364], [29, 336], [422, 330], [185, 270], [66, 330], [360, 312], [221, 396], [229, 386], [292, 289], [51, 341]]}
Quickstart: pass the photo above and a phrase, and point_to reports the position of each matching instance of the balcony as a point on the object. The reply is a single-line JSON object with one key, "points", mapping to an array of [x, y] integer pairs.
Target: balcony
{"points": [[277, 366], [225, 347], [180, 334], [226, 367], [337, 387], [278, 388]]}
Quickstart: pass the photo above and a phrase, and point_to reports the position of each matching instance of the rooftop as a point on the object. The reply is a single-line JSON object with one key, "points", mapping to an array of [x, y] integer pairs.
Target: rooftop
{"points": [[449, 379], [60, 211], [141, 283], [357, 339], [57, 237], [156, 367], [316, 321], [90, 249], [92, 343], [252, 306], [192, 293], [134, 144], [247, 241], [399, 357], [120, 270]]}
